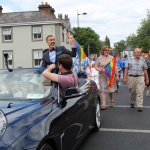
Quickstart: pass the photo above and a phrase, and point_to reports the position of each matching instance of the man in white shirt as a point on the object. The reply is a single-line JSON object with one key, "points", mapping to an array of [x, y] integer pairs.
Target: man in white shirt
{"points": [[50, 57]]}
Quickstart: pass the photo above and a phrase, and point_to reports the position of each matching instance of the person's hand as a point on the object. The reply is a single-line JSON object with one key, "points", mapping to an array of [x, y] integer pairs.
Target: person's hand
{"points": [[147, 81], [117, 78], [101, 69], [71, 39], [52, 67], [64, 31], [82, 71], [124, 80]]}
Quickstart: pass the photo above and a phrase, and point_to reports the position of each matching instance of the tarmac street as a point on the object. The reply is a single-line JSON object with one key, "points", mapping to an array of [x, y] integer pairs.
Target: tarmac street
{"points": [[122, 127]]}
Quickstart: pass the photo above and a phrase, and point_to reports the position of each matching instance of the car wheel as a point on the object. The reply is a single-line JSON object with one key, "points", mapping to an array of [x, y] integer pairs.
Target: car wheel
{"points": [[97, 123], [46, 147]]}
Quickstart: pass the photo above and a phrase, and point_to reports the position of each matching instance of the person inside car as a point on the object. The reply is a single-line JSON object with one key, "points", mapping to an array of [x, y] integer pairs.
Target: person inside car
{"points": [[4, 88], [51, 54], [66, 78]]}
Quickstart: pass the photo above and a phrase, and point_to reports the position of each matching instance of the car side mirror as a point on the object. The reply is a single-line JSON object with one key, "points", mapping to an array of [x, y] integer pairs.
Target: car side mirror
{"points": [[72, 92]]}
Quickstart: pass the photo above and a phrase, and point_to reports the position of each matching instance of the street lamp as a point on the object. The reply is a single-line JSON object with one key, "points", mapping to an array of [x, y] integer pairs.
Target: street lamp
{"points": [[78, 20]]}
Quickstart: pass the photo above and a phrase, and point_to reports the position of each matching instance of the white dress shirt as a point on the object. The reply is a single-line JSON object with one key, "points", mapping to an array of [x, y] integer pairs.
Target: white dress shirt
{"points": [[52, 56]]}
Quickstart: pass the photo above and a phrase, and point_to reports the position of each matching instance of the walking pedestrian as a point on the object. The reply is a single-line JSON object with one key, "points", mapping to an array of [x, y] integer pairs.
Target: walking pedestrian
{"points": [[119, 67], [101, 62], [124, 60], [91, 61], [135, 70], [148, 70]]}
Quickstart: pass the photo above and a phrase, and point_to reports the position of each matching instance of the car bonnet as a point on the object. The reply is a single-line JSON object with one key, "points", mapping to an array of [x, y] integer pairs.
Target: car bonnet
{"points": [[20, 116]]}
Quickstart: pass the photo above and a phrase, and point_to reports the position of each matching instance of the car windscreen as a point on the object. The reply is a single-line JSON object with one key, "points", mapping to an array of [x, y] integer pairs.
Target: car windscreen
{"points": [[24, 84]]}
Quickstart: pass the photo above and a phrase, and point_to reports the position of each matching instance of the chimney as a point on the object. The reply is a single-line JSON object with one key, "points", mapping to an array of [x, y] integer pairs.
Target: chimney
{"points": [[1, 8], [60, 16], [52, 12], [47, 8], [66, 16]]}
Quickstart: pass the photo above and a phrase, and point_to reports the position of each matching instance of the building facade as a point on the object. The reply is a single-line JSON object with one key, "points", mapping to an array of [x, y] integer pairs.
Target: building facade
{"points": [[23, 35], [127, 52]]}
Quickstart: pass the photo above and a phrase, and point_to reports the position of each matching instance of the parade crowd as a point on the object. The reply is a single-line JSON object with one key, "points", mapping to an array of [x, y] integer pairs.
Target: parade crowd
{"points": [[135, 71]]}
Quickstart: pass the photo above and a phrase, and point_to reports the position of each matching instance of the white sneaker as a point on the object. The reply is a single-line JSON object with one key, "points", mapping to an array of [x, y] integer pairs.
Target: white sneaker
{"points": [[147, 93]]}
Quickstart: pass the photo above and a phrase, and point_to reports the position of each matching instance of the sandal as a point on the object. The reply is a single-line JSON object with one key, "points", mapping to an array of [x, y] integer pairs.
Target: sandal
{"points": [[111, 104], [103, 107]]}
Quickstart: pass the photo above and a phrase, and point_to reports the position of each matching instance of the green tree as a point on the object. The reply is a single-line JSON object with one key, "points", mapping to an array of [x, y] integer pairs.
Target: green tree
{"points": [[120, 46], [107, 41], [87, 36], [132, 41], [142, 37], [143, 33]]}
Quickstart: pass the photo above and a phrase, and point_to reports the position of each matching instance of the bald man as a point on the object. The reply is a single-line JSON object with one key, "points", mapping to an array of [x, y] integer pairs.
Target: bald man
{"points": [[135, 71]]}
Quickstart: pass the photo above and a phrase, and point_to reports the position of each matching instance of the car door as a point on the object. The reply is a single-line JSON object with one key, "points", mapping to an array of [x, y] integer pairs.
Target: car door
{"points": [[78, 115]]}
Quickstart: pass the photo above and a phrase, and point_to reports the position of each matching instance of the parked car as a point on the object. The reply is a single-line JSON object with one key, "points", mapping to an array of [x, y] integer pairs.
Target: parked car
{"points": [[34, 114]]}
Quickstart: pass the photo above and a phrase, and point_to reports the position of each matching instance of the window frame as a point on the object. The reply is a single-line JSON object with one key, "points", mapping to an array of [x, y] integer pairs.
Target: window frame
{"points": [[41, 32], [8, 51], [3, 35], [63, 35], [39, 59]]}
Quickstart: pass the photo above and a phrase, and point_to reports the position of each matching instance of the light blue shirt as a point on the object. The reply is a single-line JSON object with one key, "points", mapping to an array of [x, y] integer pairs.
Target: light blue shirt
{"points": [[75, 68], [52, 56]]}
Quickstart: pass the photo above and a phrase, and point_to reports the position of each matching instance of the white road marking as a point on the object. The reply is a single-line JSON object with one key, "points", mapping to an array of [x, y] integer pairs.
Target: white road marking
{"points": [[125, 130], [127, 106]]}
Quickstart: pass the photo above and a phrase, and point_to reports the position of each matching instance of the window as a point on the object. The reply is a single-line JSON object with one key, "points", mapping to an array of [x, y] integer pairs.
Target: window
{"points": [[67, 41], [10, 58], [37, 33], [7, 34], [37, 55], [63, 37]]}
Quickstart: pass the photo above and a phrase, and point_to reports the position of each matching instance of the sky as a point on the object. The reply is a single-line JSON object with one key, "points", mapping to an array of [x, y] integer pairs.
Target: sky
{"points": [[115, 18]]}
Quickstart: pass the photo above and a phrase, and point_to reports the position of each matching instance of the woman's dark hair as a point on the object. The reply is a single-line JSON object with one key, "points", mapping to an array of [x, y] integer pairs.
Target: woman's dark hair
{"points": [[125, 56], [65, 60]]}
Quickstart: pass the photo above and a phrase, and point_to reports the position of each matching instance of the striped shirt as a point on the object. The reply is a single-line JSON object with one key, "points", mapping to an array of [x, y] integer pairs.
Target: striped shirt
{"points": [[136, 66]]}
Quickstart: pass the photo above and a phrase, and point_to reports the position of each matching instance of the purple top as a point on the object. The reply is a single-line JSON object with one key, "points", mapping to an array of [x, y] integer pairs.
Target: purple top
{"points": [[66, 81]]}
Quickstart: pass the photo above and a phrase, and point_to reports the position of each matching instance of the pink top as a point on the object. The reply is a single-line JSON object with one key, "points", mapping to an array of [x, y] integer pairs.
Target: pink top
{"points": [[66, 81]]}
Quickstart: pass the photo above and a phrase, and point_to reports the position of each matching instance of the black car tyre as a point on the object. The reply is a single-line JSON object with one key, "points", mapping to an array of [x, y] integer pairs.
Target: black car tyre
{"points": [[97, 123], [46, 147]]}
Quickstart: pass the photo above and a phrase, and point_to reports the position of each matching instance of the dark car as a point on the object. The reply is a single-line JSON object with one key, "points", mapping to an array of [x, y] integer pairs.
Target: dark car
{"points": [[34, 114]]}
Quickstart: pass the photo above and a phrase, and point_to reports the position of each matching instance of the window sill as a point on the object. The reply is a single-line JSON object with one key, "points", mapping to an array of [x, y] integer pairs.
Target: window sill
{"points": [[8, 41], [36, 40]]}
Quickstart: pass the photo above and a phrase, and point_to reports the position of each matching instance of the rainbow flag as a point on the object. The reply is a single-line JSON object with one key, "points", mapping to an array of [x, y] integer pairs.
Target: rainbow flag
{"points": [[110, 72], [92, 85], [80, 51], [146, 55], [88, 70], [110, 49]]}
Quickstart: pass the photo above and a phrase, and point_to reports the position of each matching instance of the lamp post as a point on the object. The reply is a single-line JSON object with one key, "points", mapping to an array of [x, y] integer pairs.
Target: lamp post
{"points": [[78, 20]]}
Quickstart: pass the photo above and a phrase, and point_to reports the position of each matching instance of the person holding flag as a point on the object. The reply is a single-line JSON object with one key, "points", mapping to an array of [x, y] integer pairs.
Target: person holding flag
{"points": [[84, 62], [106, 65]]}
